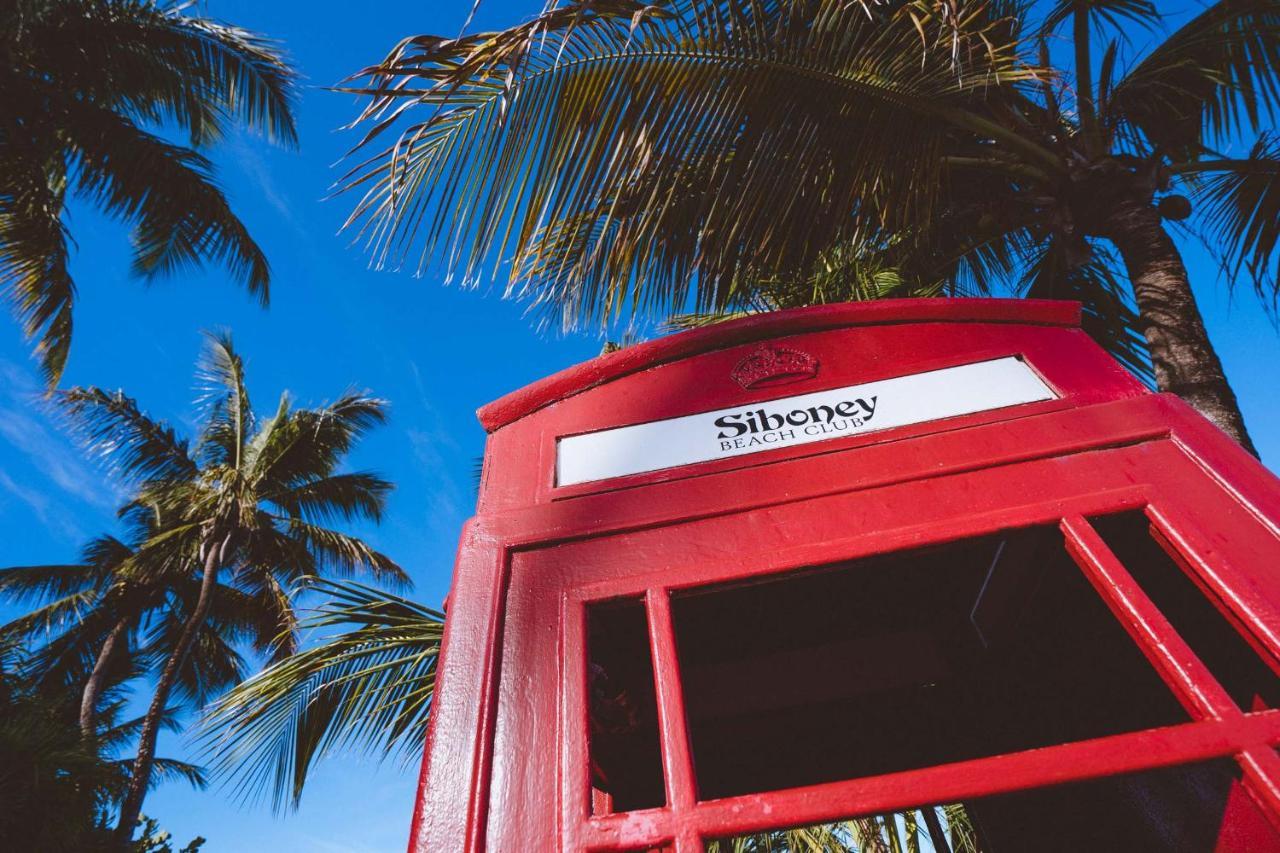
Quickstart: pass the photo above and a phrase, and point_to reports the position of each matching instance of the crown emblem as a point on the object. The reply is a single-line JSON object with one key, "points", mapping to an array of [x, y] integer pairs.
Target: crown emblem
{"points": [[774, 366]]}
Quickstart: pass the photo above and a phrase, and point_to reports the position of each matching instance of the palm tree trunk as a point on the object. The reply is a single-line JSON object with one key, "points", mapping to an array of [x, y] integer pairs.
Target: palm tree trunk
{"points": [[97, 678], [936, 834], [141, 774], [1184, 360]]}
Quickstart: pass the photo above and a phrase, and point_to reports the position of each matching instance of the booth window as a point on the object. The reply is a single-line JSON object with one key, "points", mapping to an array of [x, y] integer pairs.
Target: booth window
{"points": [[1009, 684], [967, 650], [1249, 680], [626, 763]]}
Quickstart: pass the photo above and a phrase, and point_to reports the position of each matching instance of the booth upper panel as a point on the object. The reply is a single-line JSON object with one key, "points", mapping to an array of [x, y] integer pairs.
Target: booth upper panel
{"points": [[788, 385], [775, 324]]}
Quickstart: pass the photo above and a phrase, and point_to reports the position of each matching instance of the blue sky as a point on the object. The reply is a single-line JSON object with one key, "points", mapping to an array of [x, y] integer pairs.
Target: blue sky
{"points": [[436, 353]]}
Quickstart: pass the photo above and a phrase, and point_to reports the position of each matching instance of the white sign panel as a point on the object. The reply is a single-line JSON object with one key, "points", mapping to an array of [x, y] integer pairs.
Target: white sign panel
{"points": [[803, 419]]}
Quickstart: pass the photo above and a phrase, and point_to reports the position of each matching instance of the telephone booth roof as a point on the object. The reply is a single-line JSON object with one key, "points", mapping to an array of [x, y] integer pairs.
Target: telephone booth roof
{"points": [[774, 324], [743, 362]]}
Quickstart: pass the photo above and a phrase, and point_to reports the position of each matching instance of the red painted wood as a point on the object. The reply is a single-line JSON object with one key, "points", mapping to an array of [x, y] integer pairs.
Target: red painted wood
{"points": [[947, 783], [682, 789], [776, 324], [506, 765], [678, 765], [1262, 784], [1065, 358], [1247, 825], [1190, 679]]}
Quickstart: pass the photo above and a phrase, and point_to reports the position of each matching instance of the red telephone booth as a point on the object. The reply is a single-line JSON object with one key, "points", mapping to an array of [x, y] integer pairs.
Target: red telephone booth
{"points": [[938, 566]]}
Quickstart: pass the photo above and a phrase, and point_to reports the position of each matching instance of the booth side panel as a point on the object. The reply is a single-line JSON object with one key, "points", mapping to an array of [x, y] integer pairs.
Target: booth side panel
{"points": [[453, 786], [525, 780]]}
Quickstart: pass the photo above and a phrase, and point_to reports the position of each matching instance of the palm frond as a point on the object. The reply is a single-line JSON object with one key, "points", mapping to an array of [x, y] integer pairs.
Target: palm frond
{"points": [[267, 434], [856, 271], [871, 834], [128, 440], [117, 734], [343, 554], [370, 686], [160, 63], [64, 653], [167, 770], [597, 114], [83, 82], [347, 497], [211, 666], [24, 584], [229, 421], [306, 444], [118, 166], [51, 617], [275, 620], [1215, 76], [702, 319], [257, 610], [272, 551], [1242, 210], [34, 276], [173, 770], [170, 550], [1114, 14]]}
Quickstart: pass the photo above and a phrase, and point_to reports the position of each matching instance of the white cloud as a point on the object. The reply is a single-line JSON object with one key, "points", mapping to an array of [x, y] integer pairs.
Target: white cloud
{"points": [[51, 515], [27, 425]]}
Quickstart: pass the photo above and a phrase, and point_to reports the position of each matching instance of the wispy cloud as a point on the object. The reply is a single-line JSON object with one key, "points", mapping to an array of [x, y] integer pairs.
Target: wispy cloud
{"points": [[59, 467], [433, 446], [50, 515], [250, 161], [444, 507]]}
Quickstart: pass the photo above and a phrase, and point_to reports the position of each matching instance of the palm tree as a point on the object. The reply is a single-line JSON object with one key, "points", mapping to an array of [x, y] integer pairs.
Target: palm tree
{"points": [[252, 500], [111, 615], [86, 596], [369, 686], [628, 157], [85, 84], [56, 786]]}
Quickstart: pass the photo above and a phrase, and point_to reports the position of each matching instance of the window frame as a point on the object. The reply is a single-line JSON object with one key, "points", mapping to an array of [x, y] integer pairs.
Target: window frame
{"points": [[1217, 728]]}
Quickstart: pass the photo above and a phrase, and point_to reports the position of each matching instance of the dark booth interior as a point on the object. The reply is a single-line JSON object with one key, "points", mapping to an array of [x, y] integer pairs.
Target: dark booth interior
{"points": [[972, 649]]}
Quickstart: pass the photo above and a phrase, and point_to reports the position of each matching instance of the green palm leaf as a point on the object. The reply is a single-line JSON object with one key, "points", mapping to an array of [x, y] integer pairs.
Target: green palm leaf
{"points": [[84, 84], [221, 541], [133, 444], [595, 111], [369, 686], [1216, 74], [34, 255], [1242, 211]]}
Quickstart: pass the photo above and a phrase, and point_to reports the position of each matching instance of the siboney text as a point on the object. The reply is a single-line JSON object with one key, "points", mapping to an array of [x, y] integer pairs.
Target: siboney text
{"points": [[816, 416]]}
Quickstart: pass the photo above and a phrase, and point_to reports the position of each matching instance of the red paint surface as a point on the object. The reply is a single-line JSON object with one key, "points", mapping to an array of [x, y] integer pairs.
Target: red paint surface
{"points": [[506, 765]]}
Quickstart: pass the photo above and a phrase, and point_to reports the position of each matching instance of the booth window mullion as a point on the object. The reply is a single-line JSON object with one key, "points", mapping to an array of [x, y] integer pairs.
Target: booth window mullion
{"points": [[1261, 768], [677, 758], [1177, 664]]}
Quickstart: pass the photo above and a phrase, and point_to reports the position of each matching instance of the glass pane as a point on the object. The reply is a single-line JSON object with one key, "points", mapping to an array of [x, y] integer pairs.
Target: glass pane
{"points": [[1191, 809], [909, 660], [1251, 683], [626, 758]]}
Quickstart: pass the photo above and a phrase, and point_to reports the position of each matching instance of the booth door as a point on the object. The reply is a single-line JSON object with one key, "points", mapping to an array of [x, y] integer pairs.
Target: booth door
{"points": [[1072, 654]]}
